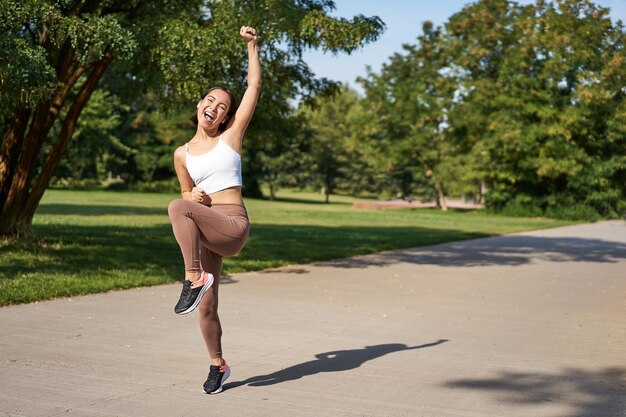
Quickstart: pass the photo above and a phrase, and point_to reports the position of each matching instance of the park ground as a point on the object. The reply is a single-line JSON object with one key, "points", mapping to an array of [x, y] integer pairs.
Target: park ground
{"points": [[525, 324]]}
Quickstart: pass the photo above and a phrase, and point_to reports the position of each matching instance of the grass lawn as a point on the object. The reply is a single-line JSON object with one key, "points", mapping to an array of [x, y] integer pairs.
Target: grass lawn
{"points": [[92, 241]]}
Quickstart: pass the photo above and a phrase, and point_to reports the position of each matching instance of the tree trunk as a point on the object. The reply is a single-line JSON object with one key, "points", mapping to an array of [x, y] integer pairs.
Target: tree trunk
{"points": [[441, 197], [15, 155], [326, 194], [29, 151], [22, 199], [478, 196], [63, 140], [11, 149]]}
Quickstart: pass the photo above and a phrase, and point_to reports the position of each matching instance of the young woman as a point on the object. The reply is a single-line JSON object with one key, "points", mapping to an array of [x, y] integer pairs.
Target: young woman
{"points": [[210, 221]]}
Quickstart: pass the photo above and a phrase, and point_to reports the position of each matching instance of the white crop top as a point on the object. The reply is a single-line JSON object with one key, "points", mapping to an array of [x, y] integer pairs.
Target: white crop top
{"points": [[216, 170]]}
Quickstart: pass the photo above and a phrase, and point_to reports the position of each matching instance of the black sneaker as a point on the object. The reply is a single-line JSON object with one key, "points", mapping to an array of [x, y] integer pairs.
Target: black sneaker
{"points": [[215, 381], [192, 293]]}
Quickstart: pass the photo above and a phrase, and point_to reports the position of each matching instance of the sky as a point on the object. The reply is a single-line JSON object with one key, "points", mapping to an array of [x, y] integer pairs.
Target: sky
{"points": [[403, 19]]}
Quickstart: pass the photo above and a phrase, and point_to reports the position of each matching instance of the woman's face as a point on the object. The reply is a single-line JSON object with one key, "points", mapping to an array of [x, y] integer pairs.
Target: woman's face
{"points": [[213, 108]]}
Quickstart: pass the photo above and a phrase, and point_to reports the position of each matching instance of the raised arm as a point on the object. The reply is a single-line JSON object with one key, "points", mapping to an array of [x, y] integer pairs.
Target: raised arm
{"points": [[238, 124]]}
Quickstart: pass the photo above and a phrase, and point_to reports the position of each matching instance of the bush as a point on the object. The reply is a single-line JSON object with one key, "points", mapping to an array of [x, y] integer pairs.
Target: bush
{"points": [[170, 185], [521, 206], [574, 212], [554, 206], [162, 186], [74, 184]]}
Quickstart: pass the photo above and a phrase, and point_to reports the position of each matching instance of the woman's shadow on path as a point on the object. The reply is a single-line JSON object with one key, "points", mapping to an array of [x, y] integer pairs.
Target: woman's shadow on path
{"points": [[335, 361]]}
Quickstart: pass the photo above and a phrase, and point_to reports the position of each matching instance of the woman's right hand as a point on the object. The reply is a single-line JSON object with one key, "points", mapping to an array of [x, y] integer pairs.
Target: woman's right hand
{"points": [[248, 33], [198, 195]]}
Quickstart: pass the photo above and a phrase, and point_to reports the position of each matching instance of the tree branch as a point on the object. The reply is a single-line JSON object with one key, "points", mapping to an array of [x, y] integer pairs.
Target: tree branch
{"points": [[33, 36], [45, 31], [69, 125], [63, 92]]}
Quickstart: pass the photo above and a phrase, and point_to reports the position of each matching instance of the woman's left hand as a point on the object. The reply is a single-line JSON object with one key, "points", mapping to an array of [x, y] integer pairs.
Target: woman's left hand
{"points": [[248, 33], [198, 195]]}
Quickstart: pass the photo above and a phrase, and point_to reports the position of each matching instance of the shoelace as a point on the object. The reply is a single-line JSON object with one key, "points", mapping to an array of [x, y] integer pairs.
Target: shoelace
{"points": [[186, 288], [214, 374]]}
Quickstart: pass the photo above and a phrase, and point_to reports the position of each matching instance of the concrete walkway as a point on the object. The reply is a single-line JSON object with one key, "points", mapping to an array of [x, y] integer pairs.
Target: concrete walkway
{"points": [[531, 324]]}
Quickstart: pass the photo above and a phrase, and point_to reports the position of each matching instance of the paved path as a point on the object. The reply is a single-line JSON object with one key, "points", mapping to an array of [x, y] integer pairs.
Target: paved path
{"points": [[532, 324]]}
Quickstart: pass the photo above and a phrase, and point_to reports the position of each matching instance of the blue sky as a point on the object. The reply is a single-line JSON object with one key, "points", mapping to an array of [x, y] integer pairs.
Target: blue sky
{"points": [[403, 19]]}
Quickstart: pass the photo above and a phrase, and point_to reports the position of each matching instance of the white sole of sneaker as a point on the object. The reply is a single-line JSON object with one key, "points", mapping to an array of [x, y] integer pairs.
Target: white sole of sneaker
{"points": [[204, 289]]}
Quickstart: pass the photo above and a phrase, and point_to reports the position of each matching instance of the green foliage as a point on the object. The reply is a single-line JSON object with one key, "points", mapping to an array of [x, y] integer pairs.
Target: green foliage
{"points": [[25, 75], [189, 46], [117, 147], [559, 206], [185, 55], [542, 96], [410, 102], [522, 106], [163, 52], [170, 186], [525, 103], [154, 136], [91, 34], [573, 212], [33, 29], [284, 159], [321, 30], [96, 148], [340, 159]]}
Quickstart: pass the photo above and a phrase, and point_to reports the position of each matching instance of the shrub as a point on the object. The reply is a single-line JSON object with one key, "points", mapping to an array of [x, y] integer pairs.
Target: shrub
{"points": [[161, 186]]}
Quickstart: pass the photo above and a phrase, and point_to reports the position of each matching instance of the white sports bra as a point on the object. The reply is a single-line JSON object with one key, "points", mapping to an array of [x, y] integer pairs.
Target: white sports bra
{"points": [[216, 170]]}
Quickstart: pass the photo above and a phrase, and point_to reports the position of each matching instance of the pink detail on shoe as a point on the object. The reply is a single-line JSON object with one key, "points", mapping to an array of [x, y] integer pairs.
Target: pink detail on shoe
{"points": [[204, 277]]}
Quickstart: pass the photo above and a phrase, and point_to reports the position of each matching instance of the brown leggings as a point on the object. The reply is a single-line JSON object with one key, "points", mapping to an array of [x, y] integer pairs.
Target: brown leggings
{"points": [[205, 235]]}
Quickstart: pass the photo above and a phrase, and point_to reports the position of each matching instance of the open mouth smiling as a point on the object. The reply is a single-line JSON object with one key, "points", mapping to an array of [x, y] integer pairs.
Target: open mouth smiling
{"points": [[208, 116]]}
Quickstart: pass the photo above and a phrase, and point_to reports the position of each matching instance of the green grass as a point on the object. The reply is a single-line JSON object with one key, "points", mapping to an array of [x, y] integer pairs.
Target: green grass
{"points": [[92, 241]]}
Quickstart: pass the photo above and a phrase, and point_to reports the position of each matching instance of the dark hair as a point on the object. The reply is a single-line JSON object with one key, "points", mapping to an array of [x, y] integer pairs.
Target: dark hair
{"points": [[231, 109]]}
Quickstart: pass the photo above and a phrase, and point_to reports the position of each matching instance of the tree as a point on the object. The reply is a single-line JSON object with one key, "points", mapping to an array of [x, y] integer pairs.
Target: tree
{"points": [[478, 39], [53, 54], [338, 153], [544, 104], [411, 99], [153, 136], [95, 143], [283, 158]]}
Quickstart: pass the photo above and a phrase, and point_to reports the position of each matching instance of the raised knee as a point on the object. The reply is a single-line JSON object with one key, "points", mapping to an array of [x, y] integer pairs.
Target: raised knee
{"points": [[177, 208]]}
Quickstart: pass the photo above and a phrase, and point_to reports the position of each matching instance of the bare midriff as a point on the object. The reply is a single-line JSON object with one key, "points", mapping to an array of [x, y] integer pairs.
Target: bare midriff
{"points": [[230, 195]]}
